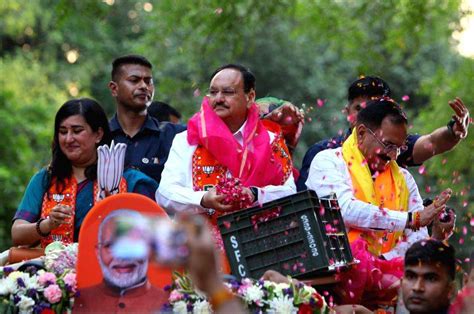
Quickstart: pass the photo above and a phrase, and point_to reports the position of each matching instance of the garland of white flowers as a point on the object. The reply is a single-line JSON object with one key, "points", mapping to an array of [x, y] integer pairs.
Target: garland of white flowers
{"points": [[257, 295], [32, 291]]}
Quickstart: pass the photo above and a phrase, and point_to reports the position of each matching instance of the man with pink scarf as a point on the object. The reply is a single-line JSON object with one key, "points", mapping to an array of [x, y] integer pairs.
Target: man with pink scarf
{"points": [[226, 138]]}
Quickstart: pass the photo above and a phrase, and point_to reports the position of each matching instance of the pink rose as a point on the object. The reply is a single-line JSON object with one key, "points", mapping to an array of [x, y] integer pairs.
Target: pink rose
{"points": [[175, 296], [53, 293], [70, 280], [47, 278], [246, 283]]}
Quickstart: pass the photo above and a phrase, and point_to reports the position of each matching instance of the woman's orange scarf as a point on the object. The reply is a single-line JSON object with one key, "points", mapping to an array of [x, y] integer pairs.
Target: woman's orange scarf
{"points": [[67, 197]]}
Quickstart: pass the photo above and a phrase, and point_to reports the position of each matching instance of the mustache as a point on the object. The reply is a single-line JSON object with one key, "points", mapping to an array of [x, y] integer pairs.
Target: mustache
{"points": [[221, 104], [125, 262], [384, 157]]}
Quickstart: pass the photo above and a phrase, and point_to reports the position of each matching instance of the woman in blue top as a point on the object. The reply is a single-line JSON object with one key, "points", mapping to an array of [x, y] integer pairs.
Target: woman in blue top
{"points": [[58, 198]]}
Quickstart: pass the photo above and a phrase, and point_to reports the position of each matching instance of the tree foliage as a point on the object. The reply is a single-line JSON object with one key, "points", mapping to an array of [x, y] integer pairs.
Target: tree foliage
{"points": [[28, 101]]}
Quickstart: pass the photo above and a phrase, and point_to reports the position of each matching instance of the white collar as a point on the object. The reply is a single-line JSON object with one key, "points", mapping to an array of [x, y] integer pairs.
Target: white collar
{"points": [[239, 134]]}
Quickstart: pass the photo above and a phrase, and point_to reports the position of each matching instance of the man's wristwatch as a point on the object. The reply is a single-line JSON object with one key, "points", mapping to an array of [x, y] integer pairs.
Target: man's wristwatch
{"points": [[254, 191], [450, 126]]}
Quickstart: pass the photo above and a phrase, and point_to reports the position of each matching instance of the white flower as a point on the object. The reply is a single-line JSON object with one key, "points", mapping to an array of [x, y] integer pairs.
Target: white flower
{"points": [[15, 274], [3, 289], [180, 307], [25, 305], [253, 294], [308, 289], [8, 286], [202, 307], [282, 305], [268, 283], [32, 283], [25, 277]]}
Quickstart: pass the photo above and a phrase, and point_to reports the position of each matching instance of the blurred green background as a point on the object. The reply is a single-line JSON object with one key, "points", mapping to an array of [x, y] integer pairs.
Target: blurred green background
{"points": [[53, 50]]}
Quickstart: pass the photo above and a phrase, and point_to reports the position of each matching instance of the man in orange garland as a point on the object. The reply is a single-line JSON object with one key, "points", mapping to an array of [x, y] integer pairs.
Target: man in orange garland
{"points": [[226, 139]]}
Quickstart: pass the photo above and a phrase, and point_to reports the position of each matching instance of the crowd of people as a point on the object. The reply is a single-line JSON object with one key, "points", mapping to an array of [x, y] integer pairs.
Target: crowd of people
{"points": [[235, 136]]}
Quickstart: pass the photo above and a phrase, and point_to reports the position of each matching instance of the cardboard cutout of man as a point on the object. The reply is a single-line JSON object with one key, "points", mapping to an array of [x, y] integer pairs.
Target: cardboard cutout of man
{"points": [[125, 286]]}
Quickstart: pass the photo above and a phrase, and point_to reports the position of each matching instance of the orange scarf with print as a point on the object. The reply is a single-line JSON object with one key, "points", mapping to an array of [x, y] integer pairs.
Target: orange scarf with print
{"points": [[389, 191], [207, 170], [67, 197]]}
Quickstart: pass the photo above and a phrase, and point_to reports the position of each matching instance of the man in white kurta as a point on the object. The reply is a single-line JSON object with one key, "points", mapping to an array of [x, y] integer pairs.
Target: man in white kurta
{"points": [[226, 138], [329, 173], [380, 203], [176, 192]]}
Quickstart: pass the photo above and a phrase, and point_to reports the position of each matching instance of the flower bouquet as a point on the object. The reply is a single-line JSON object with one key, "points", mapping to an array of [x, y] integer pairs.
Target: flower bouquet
{"points": [[257, 296], [41, 291]]}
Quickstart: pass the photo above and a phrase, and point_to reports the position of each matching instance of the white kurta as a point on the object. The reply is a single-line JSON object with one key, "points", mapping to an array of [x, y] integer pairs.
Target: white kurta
{"points": [[176, 193], [329, 173]]}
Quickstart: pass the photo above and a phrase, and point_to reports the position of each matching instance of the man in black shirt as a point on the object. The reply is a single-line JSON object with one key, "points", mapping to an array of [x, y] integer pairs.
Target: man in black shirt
{"points": [[148, 141]]}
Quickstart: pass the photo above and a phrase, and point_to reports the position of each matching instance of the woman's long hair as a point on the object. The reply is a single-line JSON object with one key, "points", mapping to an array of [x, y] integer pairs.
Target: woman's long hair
{"points": [[61, 167]]}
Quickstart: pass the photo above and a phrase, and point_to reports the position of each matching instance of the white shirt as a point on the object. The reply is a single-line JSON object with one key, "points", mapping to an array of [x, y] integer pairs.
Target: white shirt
{"points": [[176, 192], [329, 173]]}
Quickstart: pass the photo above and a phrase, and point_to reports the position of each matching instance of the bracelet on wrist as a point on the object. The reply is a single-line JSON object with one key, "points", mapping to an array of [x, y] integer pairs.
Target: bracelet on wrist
{"points": [[220, 297], [38, 229], [416, 221]]}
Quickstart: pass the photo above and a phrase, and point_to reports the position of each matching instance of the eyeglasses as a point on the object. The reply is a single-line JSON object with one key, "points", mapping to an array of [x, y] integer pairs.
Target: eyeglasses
{"points": [[390, 148], [226, 92]]}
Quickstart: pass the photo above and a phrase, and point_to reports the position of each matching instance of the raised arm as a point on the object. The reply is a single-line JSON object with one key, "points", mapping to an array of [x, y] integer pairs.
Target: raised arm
{"points": [[288, 116], [444, 138]]}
